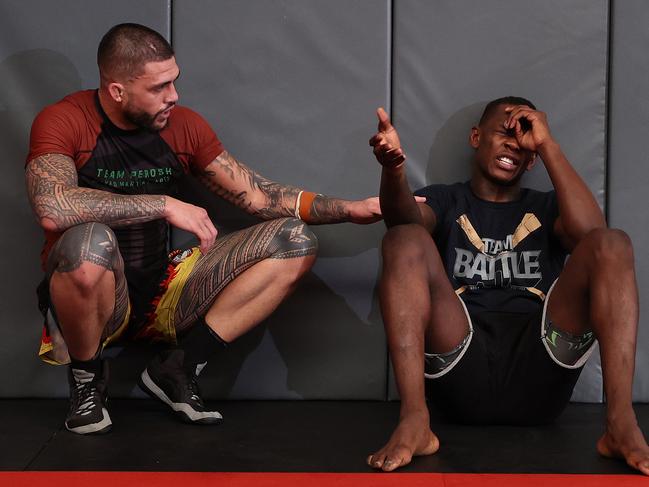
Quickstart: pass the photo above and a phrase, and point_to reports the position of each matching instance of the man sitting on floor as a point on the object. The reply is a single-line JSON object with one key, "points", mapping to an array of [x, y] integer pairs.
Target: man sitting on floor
{"points": [[101, 175], [486, 309]]}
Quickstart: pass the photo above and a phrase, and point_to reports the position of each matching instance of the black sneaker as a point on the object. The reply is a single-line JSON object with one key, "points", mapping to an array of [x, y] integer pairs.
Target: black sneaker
{"points": [[88, 414], [167, 378]]}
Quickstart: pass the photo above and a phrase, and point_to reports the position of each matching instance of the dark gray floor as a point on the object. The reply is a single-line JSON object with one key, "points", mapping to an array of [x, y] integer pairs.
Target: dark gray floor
{"points": [[296, 436]]}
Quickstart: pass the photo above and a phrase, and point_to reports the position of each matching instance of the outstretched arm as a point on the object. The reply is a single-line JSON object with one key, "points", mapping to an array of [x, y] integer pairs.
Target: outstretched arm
{"points": [[59, 203], [397, 204], [259, 196], [579, 213]]}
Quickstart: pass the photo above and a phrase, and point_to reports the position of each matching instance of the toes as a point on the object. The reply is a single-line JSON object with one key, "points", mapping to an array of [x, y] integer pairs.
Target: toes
{"points": [[641, 464], [386, 462], [392, 463], [644, 467], [376, 461]]}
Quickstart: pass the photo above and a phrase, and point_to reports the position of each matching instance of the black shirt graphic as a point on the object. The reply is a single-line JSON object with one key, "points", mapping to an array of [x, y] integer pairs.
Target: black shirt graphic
{"points": [[135, 162], [498, 256]]}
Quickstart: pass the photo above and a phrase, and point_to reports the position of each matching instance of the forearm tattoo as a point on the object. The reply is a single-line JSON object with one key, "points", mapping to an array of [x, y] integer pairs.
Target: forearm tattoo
{"points": [[254, 194], [328, 210], [262, 197], [54, 195]]}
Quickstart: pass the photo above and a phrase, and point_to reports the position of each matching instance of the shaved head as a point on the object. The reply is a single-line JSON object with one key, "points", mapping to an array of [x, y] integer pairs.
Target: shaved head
{"points": [[126, 48]]}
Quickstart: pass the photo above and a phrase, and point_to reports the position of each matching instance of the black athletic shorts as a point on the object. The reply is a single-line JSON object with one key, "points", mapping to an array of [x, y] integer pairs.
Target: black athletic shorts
{"points": [[505, 376]]}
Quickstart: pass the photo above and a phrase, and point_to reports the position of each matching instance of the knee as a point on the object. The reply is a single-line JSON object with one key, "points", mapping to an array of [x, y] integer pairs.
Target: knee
{"points": [[93, 243], [294, 239], [610, 245], [405, 243]]}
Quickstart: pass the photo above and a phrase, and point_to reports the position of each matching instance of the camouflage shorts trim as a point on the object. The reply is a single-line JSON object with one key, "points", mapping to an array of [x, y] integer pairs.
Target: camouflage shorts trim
{"points": [[438, 364], [567, 350]]}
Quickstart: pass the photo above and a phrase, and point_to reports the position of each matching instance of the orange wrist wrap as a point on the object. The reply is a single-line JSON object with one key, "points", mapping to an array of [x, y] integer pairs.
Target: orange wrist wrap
{"points": [[305, 204]]}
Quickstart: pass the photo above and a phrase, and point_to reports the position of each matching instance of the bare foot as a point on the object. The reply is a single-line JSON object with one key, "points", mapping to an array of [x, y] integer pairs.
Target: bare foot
{"points": [[625, 440], [412, 437]]}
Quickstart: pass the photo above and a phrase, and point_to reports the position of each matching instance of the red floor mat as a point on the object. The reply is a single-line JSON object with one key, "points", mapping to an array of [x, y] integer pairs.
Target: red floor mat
{"points": [[201, 479]]}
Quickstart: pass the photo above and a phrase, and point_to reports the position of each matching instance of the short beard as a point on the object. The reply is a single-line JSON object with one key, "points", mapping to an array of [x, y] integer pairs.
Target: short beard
{"points": [[143, 120]]}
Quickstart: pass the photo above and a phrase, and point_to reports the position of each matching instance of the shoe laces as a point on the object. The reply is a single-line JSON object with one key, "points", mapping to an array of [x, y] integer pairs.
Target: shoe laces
{"points": [[194, 391], [85, 392]]}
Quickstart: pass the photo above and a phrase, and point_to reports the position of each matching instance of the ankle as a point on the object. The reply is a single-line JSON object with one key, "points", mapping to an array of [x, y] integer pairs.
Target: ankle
{"points": [[414, 413], [200, 343], [620, 418], [92, 365]]}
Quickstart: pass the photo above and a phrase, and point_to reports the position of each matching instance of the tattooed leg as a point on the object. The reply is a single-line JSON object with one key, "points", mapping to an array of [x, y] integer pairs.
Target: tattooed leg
{"points": [[246, 275], [87, 287]]}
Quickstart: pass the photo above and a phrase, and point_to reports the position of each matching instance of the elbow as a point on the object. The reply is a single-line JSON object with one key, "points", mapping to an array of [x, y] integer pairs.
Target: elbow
{"points": [[591, 226], [581, 232], [49, 214], [406, 220], [49, 219], [50, 225], [393, 216], [401, 209]]}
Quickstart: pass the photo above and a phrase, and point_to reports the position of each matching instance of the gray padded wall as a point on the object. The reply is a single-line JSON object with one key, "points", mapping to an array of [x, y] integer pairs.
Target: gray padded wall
{"points": [[452, 56], [291, 87], [47, 50], [628, 169]]}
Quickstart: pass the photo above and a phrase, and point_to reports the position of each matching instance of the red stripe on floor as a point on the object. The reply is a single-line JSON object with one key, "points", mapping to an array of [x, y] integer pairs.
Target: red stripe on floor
{"points": [[200, 479]]}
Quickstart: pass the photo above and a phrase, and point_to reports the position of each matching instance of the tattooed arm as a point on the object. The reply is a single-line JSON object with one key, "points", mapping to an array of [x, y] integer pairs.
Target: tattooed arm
{"points": [[59, 203], [250, 191]]}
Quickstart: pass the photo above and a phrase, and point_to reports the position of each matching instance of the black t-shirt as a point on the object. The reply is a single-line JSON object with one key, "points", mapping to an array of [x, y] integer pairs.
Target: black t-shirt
{"points": [[498, 256], [128, 162], [135, 162]]}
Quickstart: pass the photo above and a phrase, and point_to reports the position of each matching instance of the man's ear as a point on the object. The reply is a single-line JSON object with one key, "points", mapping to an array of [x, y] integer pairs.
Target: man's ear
{"points": [[474, 137], [116, 92]]}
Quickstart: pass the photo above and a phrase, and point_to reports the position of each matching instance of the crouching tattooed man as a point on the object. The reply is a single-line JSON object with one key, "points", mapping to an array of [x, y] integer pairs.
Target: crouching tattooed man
{"points": [[476, 298], [101, 175]]}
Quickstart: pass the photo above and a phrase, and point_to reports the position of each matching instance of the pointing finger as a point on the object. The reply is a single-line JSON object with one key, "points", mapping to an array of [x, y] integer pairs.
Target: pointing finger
{"points": [[384, 120]]}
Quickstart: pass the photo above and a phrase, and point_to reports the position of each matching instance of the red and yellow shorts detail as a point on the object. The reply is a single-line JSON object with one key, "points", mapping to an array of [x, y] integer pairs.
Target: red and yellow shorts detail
{"points": [[159, 324]]}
